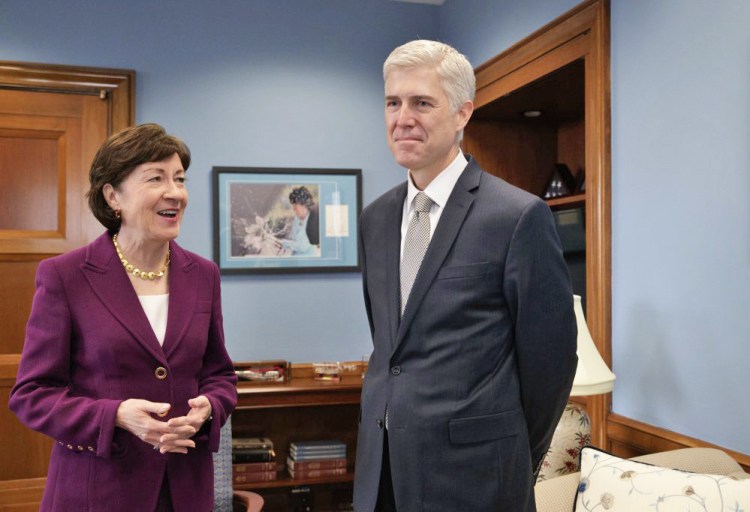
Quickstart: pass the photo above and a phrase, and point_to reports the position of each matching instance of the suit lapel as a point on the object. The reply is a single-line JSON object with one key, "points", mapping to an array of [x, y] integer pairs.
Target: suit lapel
{"points": [[442, 240], [394, 214], [112, 286], [182, 297]]}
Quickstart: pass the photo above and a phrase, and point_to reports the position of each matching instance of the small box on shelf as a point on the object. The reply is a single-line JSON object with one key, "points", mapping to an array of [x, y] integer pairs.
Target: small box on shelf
{"points": [[328, 372], [263, 371]]}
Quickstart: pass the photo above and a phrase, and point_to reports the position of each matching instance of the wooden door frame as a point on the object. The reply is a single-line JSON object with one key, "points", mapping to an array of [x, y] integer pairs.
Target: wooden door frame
{"points": [[582, 32], [119, 83]]}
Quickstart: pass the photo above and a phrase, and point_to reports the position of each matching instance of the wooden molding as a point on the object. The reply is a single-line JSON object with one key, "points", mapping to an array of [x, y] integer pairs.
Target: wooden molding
{"points": [[119, 83], [630, 438]]}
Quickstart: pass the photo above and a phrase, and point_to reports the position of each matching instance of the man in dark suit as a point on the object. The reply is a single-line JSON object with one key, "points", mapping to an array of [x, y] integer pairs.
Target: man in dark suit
{"points": [[470, 307]]}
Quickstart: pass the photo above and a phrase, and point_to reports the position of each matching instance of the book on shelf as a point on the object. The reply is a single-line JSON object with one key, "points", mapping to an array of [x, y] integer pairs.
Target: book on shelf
{"points": [[253, 455], [317, 445], [258, 476], [251, 443], [307, 465], [254, 467], [316, 473], [317, 456]]}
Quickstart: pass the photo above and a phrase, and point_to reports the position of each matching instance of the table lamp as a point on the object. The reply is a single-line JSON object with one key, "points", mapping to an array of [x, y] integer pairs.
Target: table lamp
{"points": [[573, 432]]}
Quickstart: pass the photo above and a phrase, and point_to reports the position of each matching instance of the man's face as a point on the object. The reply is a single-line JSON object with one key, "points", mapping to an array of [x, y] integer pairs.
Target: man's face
{"points": [[421, 123]]}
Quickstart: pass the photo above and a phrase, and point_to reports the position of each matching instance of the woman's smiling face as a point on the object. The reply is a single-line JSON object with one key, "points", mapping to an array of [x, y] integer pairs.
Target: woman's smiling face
{"points": [[151, 200]]}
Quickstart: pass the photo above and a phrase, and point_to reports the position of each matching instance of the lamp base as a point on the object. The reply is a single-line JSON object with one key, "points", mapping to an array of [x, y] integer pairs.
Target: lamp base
{"points": [[572, 433]]}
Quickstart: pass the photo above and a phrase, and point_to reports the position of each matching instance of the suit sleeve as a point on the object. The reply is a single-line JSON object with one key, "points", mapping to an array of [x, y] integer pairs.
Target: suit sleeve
{"points": [[540, 297], [42, 398], [217, 382]]}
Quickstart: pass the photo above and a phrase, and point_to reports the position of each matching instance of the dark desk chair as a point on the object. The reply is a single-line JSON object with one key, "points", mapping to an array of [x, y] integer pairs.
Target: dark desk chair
{"points": [[227, 499]]}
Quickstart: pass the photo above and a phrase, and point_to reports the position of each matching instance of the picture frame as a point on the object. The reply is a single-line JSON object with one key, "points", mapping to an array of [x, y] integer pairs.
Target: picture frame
{"points": [[286, 220]]}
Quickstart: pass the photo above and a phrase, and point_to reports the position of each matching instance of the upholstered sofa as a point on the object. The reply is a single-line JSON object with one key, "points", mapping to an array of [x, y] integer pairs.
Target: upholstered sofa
{"points": [[559, 494]]}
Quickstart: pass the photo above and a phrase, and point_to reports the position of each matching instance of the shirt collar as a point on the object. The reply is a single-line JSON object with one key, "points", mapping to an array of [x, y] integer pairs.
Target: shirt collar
{"points": [[439, 189]]}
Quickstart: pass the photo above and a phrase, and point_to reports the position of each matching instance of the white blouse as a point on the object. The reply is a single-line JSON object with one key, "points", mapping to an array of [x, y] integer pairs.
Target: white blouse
{"points": [[156, 307]]}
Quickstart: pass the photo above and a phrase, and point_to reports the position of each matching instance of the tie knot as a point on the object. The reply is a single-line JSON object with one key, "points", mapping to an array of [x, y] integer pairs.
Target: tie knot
{"points": [[422, 202]]}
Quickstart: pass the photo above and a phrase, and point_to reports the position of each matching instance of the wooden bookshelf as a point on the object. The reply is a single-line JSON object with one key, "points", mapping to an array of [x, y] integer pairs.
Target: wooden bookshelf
{"points": [[301, 409], [560, 73]]}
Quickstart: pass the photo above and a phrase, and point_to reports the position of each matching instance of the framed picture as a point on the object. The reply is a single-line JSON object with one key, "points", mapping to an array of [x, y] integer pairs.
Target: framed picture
{"points": [[272, 220]]}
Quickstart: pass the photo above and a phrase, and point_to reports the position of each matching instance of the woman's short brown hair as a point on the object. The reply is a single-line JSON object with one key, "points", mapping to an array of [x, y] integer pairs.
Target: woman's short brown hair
{"points": [[120, 155]]}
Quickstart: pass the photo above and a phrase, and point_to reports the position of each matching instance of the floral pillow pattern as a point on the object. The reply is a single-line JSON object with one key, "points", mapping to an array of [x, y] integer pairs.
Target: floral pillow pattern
{"points": [[611, 483]]}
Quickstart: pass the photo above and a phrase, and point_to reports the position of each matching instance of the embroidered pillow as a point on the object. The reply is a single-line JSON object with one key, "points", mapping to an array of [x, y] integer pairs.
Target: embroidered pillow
{"points": [[611, 483]]}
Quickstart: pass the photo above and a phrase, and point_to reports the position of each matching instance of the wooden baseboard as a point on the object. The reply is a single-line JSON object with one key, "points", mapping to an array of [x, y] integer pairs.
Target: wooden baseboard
{"points": [[630, 438], [21, 495]]}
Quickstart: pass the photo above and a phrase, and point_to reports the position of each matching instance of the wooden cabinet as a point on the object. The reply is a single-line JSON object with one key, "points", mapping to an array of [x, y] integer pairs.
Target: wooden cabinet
{"points": [[299, 410], [562, 72]]}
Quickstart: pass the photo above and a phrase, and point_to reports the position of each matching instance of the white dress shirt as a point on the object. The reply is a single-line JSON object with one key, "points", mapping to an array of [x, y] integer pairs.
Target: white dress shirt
{"points": [[439, 190]]}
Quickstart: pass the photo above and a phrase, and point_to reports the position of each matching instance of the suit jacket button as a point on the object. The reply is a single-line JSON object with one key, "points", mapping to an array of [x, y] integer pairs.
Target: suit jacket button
{"points": [[70, 447], [80, 448], [380, 423], [91, 448], [161, 373], [395, 370]]}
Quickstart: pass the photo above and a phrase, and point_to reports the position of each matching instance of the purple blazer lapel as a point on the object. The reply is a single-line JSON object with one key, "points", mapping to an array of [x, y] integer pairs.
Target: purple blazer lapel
{"points": [[182, 297], [442, 240], [112, 286]]}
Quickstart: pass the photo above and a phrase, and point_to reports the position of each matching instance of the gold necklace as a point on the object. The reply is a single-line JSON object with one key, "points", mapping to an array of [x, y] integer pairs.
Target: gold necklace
{"points": [[131, 269]]}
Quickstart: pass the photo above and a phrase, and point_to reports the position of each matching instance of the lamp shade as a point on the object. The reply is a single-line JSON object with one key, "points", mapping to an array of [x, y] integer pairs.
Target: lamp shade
{"points": [[593, 377]]}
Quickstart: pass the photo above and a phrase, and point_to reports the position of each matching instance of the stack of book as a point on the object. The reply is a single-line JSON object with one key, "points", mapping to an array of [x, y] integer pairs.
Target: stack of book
{"points": [[253, 460], [316, 459]]}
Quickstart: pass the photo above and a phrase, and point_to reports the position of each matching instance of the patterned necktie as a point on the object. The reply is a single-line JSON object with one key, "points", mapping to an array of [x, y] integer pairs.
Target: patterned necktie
{"points": [[415, 244]]}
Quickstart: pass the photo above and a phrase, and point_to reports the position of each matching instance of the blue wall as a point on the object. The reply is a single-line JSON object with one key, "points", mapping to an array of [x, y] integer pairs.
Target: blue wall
{"points": [[680, 200], [278, 83], [290, 83], [681, 215]]}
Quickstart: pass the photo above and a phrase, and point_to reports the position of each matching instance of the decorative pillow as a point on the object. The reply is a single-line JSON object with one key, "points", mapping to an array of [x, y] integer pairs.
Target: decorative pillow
{"points": [[611, 483]]}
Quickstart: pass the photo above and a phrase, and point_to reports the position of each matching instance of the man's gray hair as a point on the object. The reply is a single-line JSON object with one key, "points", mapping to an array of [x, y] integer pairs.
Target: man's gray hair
{"points": [[455, 71]]}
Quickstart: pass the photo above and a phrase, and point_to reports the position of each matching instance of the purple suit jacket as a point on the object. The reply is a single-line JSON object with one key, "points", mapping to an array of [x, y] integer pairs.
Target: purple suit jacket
{"points": [[88, 347]]}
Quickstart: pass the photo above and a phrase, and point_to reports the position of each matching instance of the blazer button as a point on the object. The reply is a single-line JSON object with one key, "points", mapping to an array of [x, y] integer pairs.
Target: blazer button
{"points": [[161, 373], [380, 423], [70, 447], [80, 448], [396, 370], [90, 448]]}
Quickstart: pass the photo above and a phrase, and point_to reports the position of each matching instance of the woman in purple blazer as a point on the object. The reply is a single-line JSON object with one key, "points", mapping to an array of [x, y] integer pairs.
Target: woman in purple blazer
{"points": [[124, 363]]}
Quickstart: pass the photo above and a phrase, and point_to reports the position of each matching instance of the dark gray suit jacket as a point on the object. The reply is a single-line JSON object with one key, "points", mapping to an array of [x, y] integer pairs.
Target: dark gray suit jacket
{"points": [[477, 372]]}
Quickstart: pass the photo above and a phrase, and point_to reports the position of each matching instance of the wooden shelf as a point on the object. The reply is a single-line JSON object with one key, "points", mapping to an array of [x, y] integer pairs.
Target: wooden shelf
{"points": [[287, 481], [299, 392], [569, 201]]}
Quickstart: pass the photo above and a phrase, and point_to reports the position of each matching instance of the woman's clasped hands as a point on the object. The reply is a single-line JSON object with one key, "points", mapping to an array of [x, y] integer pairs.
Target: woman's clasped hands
{"points": [[173, 436]]}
